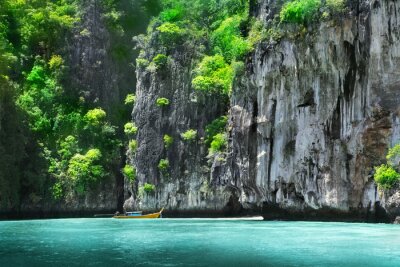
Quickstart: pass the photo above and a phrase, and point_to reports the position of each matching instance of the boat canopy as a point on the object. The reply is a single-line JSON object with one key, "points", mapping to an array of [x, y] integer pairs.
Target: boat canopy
{"points": [[133, 213]]}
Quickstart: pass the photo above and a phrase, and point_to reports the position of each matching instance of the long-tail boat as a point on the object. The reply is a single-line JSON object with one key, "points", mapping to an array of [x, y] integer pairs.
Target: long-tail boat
{"points": [[138, 215]]}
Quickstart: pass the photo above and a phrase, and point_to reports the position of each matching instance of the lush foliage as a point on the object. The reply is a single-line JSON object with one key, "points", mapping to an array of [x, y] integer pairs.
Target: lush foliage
{"points": [[130, 99], [221, 24], [386, 176], [336, 5], [170, 32], [213, 75], [146, 189], [300, 11], [162, 102], [130, 128], [393, 156], [218, 143], [56, 61], [190, 135], [67, 145], [216, 137], [149, 187], [228, 41], [142, 63], [65, 129], [168, 140], [163, 165], [95, 117], [160, 60], [57, 191], [132, 146], [85, 169], [215, 127], [129, 172]]}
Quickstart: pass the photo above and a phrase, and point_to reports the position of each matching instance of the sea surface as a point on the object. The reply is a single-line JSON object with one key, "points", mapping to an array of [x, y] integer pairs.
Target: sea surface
{"points": [[195, 242]]}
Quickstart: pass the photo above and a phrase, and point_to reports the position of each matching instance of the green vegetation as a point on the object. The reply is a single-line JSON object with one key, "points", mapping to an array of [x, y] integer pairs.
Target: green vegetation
{"points": [[130, 99], [221, 25], [336, 5], [215, 127], [85, 170], [300, 11], [213, 75], [95, 116], [149, 188], [160, 60], [228, 41], [168, 141], [307, 11], [142, 63], [64, 145], [162, 102], [56, 62], [216, 137], [57, 191], [170, 33], [146, 189], [393, 156], [387, 175], [173, 14], [65, 128], [129, 172], [130, 128], [218, 143], [132, 146], [163, 165], [190, 135]]}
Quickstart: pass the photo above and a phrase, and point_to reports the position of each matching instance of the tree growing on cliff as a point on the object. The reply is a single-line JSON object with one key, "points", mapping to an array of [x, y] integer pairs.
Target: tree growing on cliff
{"points": [[190, 135], [130, 99], [168, 140], [213, 75], [300, 11], [130, 128], [132, 145], [387, 175], [129, 172], [163, 165], [85, 170], [162, 102]]}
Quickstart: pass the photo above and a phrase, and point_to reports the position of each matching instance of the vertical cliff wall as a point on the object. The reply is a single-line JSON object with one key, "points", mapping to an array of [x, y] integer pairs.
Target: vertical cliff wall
{"points": [[324, 111], [309, 119], [100, 55], [185, 185]]}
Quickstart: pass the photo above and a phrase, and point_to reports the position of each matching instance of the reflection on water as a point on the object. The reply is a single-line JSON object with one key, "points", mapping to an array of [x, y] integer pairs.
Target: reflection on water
{"points": [[184, 242]]}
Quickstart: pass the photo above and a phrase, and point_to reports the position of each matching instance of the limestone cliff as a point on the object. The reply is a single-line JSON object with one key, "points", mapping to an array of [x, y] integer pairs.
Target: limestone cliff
{"points": [[186, 186], [308, 120]]}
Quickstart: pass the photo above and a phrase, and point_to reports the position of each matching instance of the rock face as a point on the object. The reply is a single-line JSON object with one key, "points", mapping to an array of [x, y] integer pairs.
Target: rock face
{"points": [[99, 80], [309, 119], [96, 70], [185, 185]]}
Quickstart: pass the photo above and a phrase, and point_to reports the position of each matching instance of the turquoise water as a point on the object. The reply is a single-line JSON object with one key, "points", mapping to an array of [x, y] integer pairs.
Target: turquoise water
{"points": [[181, 242]]}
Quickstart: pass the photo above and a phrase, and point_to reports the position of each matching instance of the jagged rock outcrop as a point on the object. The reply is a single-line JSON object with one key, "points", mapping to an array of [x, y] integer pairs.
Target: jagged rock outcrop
{"points": [[309, 119], [324, 111]]}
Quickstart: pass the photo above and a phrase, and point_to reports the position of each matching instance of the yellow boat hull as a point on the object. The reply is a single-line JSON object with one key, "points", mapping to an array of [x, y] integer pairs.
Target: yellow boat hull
{"points": [[147, 216]]}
